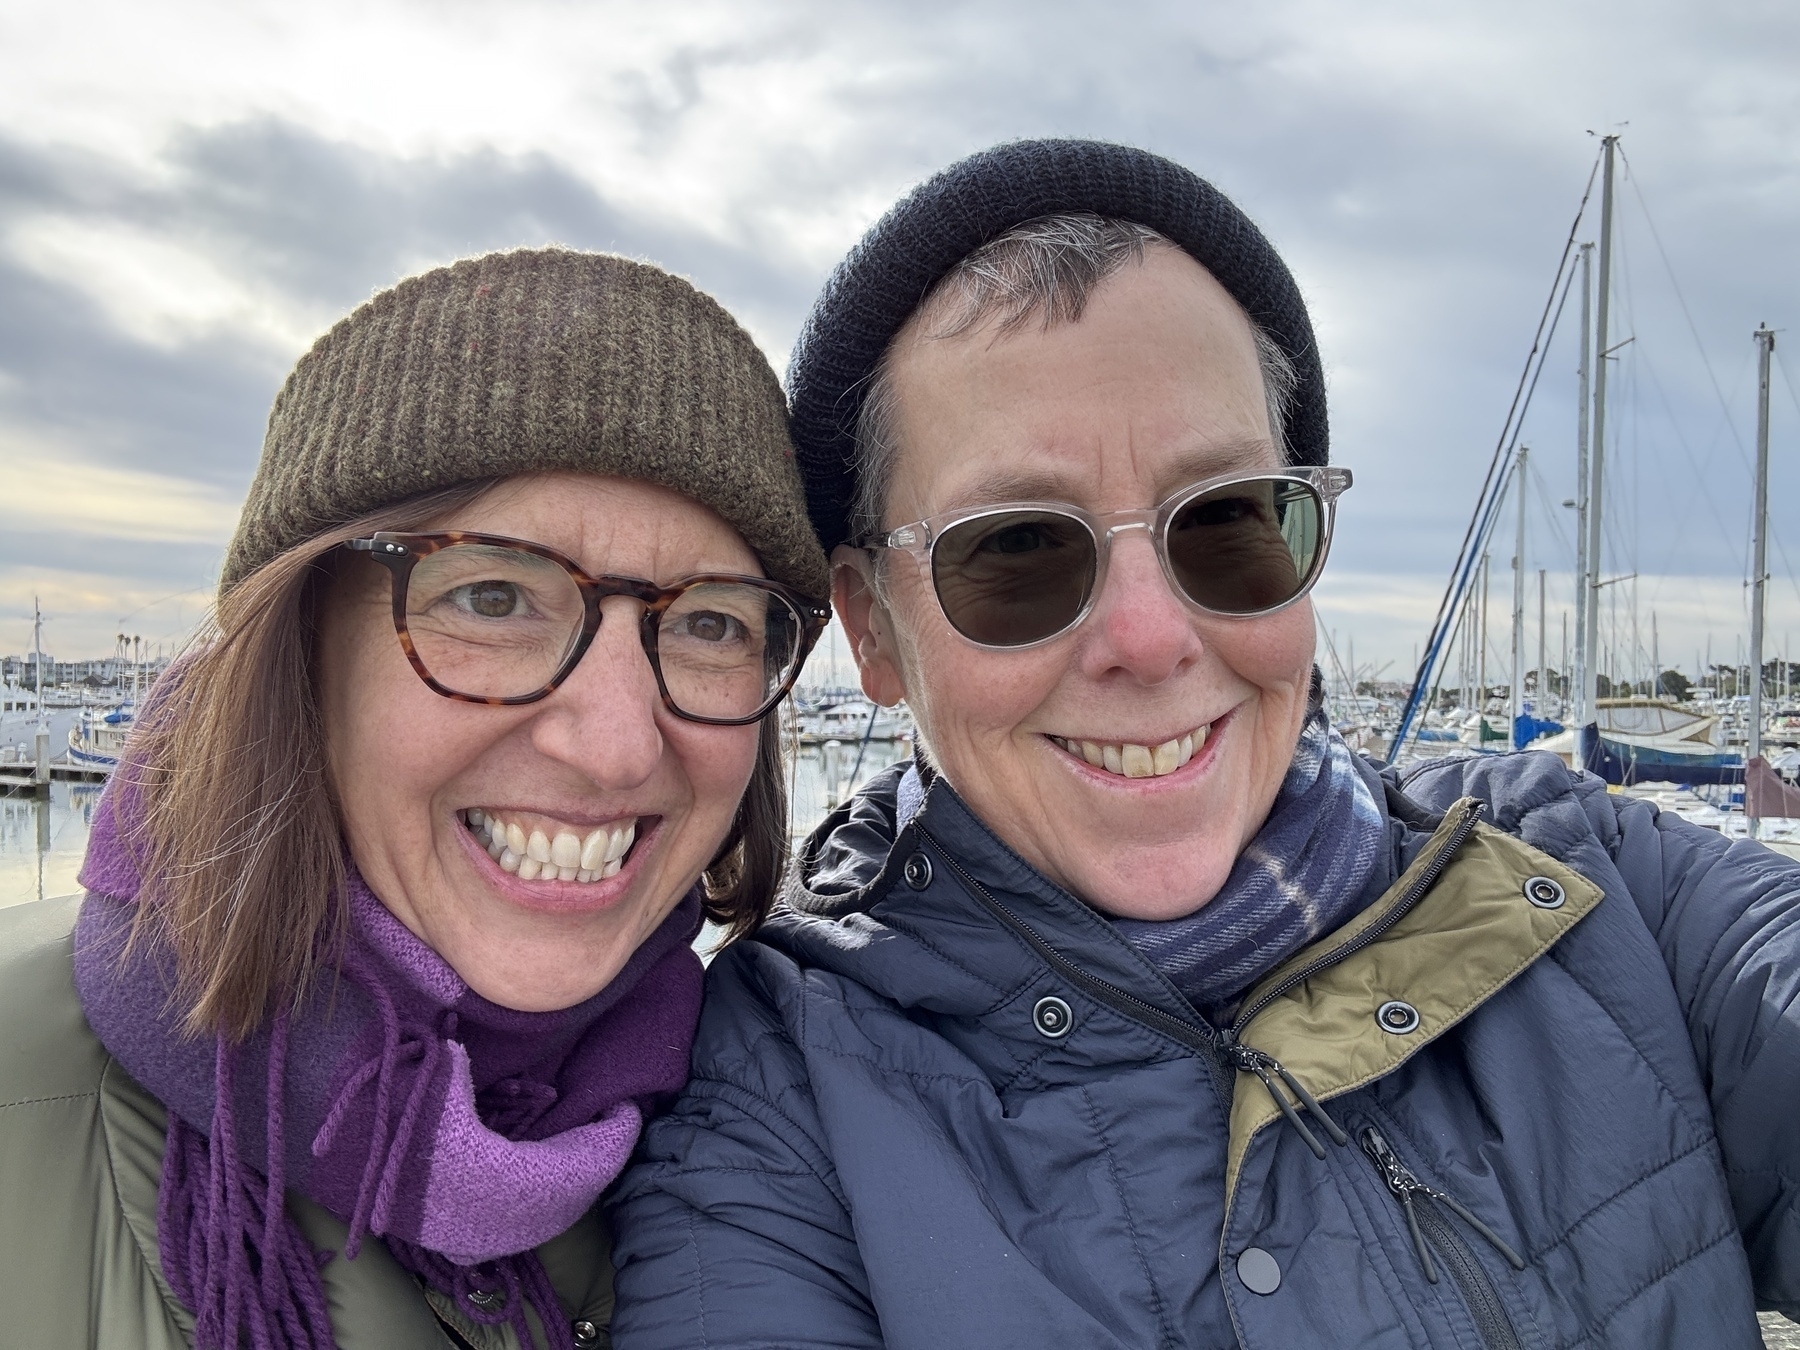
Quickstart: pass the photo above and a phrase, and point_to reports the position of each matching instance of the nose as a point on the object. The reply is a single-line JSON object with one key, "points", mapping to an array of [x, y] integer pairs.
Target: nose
{"points": [[603, 720], [1139, 626]]}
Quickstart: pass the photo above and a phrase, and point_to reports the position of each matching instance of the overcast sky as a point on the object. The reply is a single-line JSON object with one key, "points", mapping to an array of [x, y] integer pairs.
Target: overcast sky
{"points": [[190, 193]]}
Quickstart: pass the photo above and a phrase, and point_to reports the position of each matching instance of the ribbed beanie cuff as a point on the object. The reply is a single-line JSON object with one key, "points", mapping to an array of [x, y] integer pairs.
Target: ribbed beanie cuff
{"points": [[886, 276], [523, 362]]}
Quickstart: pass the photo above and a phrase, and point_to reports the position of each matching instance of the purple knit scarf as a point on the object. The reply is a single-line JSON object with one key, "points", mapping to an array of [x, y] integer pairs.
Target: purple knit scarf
{"points": [[460, 1133]]}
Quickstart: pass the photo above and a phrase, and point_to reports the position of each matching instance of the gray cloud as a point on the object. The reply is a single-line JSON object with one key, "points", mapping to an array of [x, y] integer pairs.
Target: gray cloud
{"points": [[1418, 169]]}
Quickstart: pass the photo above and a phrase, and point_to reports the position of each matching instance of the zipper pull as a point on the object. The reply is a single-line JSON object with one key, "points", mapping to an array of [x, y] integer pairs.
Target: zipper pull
{"points": [[1265, 1066], [1450, 1202], [1402, 1183]]}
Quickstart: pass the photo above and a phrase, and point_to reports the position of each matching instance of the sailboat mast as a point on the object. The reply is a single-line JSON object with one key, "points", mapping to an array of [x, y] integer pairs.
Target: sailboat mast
{"points": [[37, 649], [1543, 676], [1481, 650], [1597, 443], [1765, 344], [1581, 685], [1518, 608]]}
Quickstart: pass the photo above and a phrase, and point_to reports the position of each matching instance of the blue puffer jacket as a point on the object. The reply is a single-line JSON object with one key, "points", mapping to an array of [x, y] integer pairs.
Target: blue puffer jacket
{"points": [[941, 1103]]}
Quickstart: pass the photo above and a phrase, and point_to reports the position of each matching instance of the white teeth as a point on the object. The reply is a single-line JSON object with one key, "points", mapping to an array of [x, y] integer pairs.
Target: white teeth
{"points": [[621, 841], [1130, 760], [565, 851], [567, 857]]}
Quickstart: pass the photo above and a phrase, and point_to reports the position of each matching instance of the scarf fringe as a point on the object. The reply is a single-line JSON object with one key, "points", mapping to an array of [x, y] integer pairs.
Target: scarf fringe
{"points": [[230, 1251], [234, 1256]]}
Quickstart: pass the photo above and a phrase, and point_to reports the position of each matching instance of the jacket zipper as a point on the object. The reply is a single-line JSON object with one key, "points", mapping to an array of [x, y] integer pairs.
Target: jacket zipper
{"points": [[1459, 834], [1263, 1065], [1196, 1036], [1431, 1231], [1203, 1038]]}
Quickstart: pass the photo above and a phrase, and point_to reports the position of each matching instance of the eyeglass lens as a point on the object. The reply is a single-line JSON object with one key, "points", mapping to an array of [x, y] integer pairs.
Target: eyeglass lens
{"points": [[1017, 577], [493, 622]]}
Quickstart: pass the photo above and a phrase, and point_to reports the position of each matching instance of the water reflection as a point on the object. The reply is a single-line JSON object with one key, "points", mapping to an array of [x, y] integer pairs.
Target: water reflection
{"points": [[42, 840]]}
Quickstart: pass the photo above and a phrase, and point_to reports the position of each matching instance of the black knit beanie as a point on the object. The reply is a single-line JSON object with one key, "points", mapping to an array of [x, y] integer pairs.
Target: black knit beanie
{"points": [[885, 277]]}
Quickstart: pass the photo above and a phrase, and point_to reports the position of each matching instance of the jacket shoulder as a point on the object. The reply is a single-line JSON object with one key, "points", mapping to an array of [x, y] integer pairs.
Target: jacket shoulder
{"points": [[77, 1262], [48, 1053], [1528, 793], [751, 1020]]}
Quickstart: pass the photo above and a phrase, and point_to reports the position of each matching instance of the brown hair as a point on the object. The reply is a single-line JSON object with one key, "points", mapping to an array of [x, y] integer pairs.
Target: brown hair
{"points": [[239, 839]]}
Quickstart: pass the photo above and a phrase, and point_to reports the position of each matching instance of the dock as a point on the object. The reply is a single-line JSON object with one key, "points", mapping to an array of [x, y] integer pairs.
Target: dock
{"points": [[19, 779]]}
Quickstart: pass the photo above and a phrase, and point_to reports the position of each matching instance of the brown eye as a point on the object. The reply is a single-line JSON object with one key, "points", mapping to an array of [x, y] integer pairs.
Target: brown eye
{"points": [[710, 626], [489, 599]]}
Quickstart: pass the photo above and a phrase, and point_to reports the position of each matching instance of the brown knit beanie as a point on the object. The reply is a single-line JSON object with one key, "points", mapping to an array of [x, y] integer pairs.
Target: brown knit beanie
{"points": [[523, 362]]}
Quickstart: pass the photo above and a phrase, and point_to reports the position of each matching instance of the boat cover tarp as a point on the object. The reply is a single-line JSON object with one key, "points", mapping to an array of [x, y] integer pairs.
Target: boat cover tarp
{"points": [[1624, 764], [1527, 729], [1766, 796]]}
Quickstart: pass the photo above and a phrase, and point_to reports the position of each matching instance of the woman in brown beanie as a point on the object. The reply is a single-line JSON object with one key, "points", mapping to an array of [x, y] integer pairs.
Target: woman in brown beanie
{"points": [[385, 952]]}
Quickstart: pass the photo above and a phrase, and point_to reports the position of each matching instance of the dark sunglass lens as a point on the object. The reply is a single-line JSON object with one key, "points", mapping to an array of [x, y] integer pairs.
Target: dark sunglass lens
{"points": [[1015, 577], [1247, 547]]}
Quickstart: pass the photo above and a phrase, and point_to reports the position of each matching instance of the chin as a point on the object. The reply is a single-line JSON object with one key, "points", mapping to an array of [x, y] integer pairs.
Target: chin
{"points": [[1158, 888]]}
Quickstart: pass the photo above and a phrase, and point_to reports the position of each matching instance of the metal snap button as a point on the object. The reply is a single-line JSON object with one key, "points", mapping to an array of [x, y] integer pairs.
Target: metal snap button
{"points": [[1545, 893], [1053, 1018], [917, 871], [1397, 1017], [586, 1333], [486, 1299], [1260, 1272]]}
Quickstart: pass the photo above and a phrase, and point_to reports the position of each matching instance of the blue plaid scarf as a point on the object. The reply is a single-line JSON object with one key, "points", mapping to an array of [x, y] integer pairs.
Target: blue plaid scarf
{"points": [[1302, 876]]}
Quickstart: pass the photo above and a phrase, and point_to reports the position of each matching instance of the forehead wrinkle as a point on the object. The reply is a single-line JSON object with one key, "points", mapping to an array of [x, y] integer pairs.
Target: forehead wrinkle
{"points": [[1044, 483]]}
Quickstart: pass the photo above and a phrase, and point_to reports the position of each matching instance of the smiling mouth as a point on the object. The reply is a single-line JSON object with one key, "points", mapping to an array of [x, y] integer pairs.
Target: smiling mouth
{"points": [[529, 852], [1125, 759]]}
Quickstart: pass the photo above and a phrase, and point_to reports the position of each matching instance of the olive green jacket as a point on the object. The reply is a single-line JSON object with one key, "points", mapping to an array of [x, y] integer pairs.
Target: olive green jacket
{"points": [[81, 1149]]}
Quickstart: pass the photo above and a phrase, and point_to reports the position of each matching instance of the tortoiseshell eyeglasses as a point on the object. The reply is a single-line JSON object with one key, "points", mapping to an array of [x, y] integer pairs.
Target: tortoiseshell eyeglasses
{"points": [[487, 619]]}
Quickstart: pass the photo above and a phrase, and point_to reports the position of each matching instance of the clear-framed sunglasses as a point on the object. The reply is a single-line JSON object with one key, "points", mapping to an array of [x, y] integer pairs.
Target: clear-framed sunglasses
{"points": [[488, 619], [1016, 574]]}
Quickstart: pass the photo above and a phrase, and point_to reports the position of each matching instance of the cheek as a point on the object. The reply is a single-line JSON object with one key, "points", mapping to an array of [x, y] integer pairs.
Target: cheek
{"points": [[978, 692], [717, 763], [1274, 653], [386, 743]]}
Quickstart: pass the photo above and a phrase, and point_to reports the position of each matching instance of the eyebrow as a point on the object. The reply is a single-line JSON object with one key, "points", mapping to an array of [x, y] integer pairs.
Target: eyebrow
{"points": [[1213, 461]]}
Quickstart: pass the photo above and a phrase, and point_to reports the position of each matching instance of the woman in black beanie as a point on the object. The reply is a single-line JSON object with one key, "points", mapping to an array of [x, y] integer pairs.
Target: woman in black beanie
{"points": [[1138, 1010]]}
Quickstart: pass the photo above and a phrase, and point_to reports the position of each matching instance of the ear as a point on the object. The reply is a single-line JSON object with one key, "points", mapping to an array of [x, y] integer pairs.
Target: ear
{"points": [[868, 624]]}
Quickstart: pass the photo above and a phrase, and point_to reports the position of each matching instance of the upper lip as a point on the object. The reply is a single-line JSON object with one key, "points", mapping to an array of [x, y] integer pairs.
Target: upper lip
{"points": [[581, 820], [1113, 738]]}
